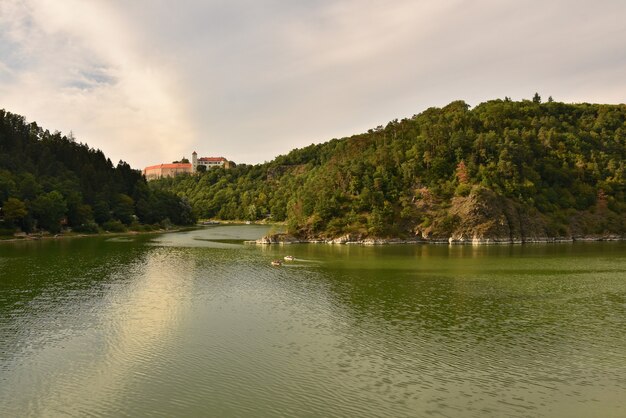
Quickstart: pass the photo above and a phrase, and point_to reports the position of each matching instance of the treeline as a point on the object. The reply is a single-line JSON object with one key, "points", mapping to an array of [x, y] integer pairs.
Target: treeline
{"points": [[49, 182], [561, 165]]}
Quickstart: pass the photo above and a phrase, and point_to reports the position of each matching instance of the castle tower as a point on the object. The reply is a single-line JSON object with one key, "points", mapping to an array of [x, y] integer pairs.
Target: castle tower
{"points": [[194, 162]]}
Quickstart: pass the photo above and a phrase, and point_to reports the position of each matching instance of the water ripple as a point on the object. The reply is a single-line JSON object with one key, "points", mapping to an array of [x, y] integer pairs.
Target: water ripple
{"points": [[179, 327]]}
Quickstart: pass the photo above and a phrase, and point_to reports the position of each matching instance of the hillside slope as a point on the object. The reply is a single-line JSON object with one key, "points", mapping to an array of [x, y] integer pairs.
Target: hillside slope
{"points": [[504, 170], [50, 182]]}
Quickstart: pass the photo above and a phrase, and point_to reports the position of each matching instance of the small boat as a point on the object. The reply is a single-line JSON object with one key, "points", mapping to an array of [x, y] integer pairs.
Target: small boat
{"points": [[277, 263], [289, 258]]}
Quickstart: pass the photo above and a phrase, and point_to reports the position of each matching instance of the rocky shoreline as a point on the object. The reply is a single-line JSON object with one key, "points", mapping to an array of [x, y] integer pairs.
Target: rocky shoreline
{"points": [[285, 239]]}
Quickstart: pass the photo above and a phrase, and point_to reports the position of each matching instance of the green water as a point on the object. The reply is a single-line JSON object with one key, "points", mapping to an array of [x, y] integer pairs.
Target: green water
{"points": [[199, 324]]}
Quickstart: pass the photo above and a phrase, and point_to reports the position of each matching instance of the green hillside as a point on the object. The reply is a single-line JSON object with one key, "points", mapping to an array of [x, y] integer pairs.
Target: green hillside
{"points": [[49, 182], [501, 170]]}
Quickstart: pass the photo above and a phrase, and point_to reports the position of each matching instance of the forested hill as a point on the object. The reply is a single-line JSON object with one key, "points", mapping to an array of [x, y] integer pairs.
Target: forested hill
{"points": [[501, 170], [49, 182]]}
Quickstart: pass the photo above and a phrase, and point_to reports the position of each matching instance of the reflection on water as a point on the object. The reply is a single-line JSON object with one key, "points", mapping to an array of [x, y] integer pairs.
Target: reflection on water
{"points": [[197, 323], [80, 347]]}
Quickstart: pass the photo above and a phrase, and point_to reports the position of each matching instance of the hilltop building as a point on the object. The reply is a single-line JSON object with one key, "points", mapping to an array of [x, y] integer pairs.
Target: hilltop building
{"points": [[154, 172], [158, 171], [208, 162]]}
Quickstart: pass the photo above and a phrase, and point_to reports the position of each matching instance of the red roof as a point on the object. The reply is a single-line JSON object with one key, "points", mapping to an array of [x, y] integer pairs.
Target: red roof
{"points": [[176, 165], [212, 159]]}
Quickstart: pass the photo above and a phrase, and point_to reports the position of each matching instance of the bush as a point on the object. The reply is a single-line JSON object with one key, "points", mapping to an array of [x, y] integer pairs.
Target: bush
{"points": [[556, 229], [6, 232], [166, 224], [144, 228], [87, 228], [114, 226], [463, 190]]}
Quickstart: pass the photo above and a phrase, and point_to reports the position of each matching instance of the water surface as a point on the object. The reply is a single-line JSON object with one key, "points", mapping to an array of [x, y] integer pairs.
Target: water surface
{"points": [[199, 324]]}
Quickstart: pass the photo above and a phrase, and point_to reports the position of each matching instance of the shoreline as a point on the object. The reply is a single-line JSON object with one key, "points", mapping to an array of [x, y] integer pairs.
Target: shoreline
{"points": [[50, 237], [288, 240]]}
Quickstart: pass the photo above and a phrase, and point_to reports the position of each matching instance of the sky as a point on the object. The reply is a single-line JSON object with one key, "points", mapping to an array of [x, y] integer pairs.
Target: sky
{"points": [[150, 81]]}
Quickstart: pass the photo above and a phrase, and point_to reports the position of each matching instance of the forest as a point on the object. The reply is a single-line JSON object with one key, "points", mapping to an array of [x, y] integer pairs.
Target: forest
{"points": [[49, 182], [503, 169]]}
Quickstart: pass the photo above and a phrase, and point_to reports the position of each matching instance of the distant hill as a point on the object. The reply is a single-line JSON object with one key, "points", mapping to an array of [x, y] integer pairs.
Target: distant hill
{"points": [[49, 182], [503, 170]]}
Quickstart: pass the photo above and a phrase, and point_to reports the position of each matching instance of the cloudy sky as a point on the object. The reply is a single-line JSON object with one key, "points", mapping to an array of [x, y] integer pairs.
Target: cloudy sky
{"points": [[149, 81]]}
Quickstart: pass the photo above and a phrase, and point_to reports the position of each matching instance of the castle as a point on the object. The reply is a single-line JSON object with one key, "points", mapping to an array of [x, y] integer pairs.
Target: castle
{"points": [[158, 171]]}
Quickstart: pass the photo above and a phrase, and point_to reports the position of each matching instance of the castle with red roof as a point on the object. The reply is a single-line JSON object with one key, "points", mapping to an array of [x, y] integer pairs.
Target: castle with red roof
{"points": [[158, 171]]}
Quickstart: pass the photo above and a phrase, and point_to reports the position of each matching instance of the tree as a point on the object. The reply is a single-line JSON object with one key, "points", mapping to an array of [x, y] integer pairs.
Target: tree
{"points": [[49, 210], [101, 211], [29, 187], [34, 162], [252, 213], [124, 208], [14, 211], [375, 223], [461, 173], [536, 98], [7, 185], [79, 215]]}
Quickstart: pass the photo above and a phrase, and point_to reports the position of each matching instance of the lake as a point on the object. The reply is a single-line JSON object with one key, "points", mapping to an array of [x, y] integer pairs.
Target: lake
{"points": [[198, 324]]}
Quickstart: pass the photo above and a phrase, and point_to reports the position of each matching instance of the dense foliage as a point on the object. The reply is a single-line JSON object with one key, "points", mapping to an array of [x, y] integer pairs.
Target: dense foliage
{"points": [[559, 164], [49, 182]]}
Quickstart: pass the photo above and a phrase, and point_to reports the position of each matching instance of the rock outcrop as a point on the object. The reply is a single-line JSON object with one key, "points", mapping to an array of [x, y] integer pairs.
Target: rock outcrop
{"points": [[277, 239], [484, 217]]}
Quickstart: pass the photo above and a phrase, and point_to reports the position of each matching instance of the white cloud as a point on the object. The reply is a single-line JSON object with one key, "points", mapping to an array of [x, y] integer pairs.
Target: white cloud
{"points": [[80, 69], [148, 81], [336, 68]]}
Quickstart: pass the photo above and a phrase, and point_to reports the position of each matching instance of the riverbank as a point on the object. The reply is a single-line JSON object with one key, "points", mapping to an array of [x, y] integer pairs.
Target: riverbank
{"points": [[285, 239], [210, 222], [47, 236]]}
